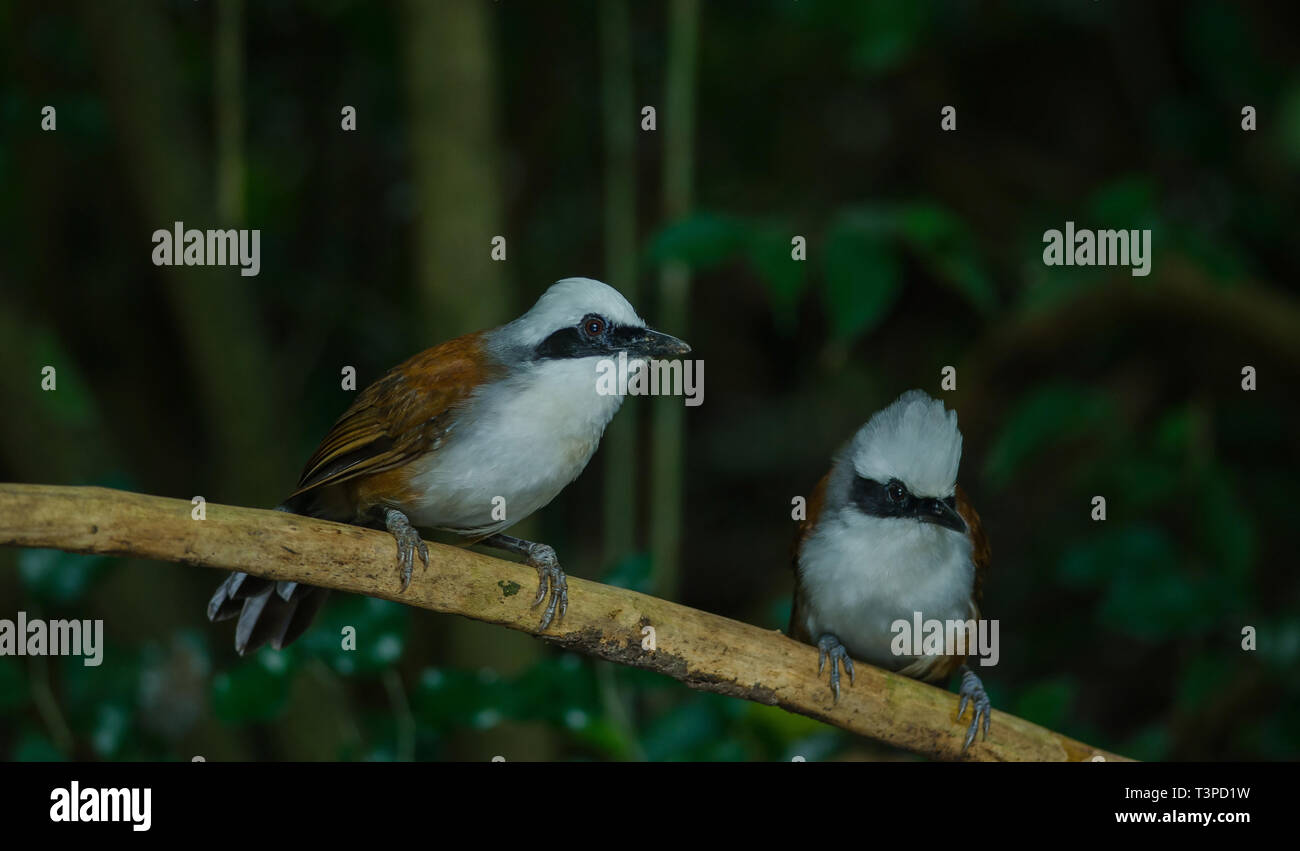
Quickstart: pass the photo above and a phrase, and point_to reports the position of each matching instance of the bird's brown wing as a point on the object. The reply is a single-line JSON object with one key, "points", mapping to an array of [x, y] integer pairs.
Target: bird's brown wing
{"points": [[803, 529], [398, 418], [982, 554], [401, 416]]}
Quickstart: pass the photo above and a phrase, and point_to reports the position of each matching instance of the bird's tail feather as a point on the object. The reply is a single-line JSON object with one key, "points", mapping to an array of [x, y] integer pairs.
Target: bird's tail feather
{"points": [[268, 611]]}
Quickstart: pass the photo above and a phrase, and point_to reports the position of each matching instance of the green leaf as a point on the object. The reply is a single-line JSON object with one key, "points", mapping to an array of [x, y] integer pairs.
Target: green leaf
{"points": [[1155, 602], [777, 613], [1127, 202], [887, 33], [111, 730], [632, 572], [782, 725], [556, 690], [684, 732], [445, 698], [1175, 431], [1047, 418], [88, 688], [71, 404], [605, 737], [699, 241], [1278, 642], [1223, 49], [381, 628], [1226, 531], [1151, 744], [36, 747], [1145, 480], [863, 279], [13, 686], [1149, 592], [255, 690], [1048, 703], [1286, 135], [54, 576], [1202, 679], [948, 249], [1115, 549], [768, 250]]}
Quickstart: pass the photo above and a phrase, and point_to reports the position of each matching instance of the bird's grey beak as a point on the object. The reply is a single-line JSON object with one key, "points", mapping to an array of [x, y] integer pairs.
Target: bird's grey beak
{"points": [[653, 344], [938, 512]]}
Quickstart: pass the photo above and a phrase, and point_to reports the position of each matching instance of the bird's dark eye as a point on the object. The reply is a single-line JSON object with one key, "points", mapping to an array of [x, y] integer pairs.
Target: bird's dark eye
{"points": [[895, 491], [593, 325]]}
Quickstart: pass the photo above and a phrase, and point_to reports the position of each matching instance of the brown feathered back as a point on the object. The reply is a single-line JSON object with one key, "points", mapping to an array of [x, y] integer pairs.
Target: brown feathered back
{"points": [[803, 528], [399, 418], [981, 553]]}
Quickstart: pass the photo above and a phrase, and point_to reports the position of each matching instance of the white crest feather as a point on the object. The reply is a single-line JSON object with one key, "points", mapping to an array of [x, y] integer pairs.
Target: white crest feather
{"points": [[914, 440]]}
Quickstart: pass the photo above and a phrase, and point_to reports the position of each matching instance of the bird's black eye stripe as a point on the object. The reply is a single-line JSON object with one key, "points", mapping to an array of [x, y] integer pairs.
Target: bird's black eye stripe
{"points": [[575, 342], [564, 343], [873, 498], [622, 336]]}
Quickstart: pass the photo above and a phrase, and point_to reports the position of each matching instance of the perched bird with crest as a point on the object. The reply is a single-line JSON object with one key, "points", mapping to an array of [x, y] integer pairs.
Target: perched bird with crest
{"points": [[889, 533], [513, 414]]}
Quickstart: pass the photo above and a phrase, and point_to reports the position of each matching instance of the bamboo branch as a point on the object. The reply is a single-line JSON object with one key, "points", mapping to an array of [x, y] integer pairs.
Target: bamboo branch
{"points": [[704, 651], [667, 422]]}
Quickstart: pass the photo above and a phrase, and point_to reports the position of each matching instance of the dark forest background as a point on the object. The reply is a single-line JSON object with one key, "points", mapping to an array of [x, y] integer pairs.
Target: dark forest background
{"points": [[774, 119]]}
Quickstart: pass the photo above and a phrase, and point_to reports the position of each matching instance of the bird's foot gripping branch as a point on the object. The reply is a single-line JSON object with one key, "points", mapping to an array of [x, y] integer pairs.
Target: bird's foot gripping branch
{"points": [[703, 650]]}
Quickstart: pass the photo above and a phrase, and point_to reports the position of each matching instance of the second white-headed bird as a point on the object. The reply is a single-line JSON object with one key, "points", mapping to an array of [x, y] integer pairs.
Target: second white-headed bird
{"points": [[889, 534], [470, 436]]}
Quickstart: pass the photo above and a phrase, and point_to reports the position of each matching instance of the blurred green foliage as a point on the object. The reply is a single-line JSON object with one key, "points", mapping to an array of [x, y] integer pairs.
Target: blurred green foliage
{"points": [[817, 119]]}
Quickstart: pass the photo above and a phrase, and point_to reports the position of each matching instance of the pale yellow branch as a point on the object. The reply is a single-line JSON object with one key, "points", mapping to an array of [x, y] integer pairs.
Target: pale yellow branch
{"points": [[704, 651]]}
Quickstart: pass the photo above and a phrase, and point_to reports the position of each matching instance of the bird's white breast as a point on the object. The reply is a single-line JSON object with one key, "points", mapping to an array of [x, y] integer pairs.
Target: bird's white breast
{"points": [[860, 573], [522, 439]]}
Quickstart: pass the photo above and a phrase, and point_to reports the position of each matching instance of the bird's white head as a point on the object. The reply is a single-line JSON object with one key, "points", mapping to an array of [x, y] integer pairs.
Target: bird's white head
{"points": [[582, 318], [903, 463], [914, 440]]}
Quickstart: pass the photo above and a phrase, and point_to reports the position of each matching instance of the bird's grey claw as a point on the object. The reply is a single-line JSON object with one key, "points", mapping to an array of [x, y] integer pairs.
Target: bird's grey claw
{"points": [[829, 645], [972, 692], [550, 581], [409, 543]]}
